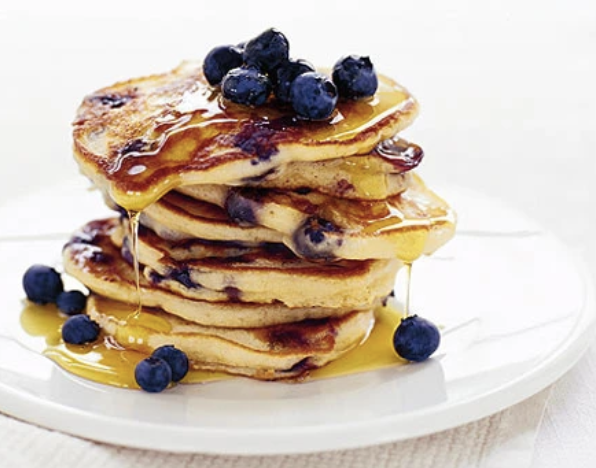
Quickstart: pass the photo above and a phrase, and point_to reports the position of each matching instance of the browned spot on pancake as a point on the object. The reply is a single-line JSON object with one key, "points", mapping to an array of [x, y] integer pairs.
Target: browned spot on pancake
{"points": [[305, 336], [234, 294], [344, 186]]}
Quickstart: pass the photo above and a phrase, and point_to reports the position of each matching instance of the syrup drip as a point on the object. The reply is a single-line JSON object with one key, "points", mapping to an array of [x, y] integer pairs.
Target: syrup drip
{"points": [[133, 222], [106, 362], [360, 170], [402, 154], [408, 268]]}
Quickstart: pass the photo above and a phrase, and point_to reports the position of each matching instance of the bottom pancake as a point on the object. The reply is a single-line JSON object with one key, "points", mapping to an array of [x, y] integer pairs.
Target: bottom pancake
{"points": [[266, 353]]}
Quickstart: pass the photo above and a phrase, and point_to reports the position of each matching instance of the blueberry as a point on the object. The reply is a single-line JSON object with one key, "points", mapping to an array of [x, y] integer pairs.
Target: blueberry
{"points": [[182, 275], [42, 284], [317, 228], [153, 374], [176, 359], [113, 100], [285, 75], [241, 209], [415, 339], [220, 61], [138, 145], [355, 77], [313, 96], [71, 302], [246, 86], [267, 51], [311, 241], [80, 329]]}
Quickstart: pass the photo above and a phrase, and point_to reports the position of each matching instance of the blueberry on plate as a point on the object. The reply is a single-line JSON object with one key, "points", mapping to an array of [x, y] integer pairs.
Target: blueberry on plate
{"points": [[355, 77], [313, 96], [415, 339], [71, 302], [153, 374], [285, 75], [176, 359], [80, 329], [220, 61], [267, 51], [42, 284], [246, 86]]}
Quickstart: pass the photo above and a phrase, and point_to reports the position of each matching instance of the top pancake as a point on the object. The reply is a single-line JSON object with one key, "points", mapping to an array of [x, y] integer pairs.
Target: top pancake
{"points": [[141, 138]]}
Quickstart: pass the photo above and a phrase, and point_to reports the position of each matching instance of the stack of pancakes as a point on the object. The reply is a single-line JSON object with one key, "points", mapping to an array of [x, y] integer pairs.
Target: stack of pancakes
{"points": [[265, 242]]}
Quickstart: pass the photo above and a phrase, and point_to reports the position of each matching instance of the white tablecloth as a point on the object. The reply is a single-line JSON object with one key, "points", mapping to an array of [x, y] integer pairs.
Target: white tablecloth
{"points": [[508, 107]]}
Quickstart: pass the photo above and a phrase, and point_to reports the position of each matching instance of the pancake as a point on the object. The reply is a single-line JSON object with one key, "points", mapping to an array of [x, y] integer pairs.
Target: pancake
{"points": [[269, 353], [265, 276], [345, 178], [209, 222], [382, 173], [316, 226], [141, 138], [91, 258]]}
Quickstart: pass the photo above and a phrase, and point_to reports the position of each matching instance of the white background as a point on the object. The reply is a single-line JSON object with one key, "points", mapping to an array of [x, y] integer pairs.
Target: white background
{"points": [[507, 89]]}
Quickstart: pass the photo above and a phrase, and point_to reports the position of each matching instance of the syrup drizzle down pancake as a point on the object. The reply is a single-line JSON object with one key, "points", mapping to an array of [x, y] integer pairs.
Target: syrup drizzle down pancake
{"points": [[141, 138]]}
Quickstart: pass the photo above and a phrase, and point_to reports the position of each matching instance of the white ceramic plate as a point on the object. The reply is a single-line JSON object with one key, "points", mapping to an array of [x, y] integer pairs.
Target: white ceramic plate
{"points": [[517, 310]]}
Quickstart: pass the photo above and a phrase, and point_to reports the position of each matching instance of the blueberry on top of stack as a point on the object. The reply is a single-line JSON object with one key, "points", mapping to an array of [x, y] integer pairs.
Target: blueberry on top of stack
{"points": [[248, 74]]}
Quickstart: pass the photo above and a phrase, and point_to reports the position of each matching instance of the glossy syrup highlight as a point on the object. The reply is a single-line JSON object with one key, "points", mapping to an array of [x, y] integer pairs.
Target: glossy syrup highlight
{"points": [[133, 223]]}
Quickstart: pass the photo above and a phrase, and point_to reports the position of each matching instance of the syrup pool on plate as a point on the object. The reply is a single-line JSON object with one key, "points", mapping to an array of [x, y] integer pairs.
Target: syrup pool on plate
{"points": [[106, 362]]}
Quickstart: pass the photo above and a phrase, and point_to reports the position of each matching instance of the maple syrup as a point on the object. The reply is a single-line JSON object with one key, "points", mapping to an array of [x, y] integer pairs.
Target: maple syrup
{"points": [[133, 223], [104, 361], [408, 287], [360, 169], [107, 362]]}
